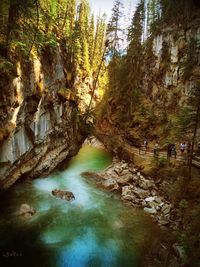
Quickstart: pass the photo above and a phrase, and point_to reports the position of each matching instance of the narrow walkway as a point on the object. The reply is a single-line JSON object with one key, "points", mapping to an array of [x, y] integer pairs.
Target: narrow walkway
{"points": [[141, 152], [162, 154]]}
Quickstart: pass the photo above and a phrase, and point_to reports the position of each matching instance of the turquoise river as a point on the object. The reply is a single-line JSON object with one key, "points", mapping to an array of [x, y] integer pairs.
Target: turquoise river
{"points": [[94, 230]]}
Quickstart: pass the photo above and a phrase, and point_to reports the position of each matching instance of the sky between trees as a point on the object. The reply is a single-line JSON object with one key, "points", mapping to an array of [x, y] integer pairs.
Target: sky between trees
{"points": [[106, 6]]}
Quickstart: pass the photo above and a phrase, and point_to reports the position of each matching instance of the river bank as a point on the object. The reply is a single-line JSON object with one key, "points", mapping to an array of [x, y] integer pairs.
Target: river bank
{"points": [[164, 197], [135, 189]]}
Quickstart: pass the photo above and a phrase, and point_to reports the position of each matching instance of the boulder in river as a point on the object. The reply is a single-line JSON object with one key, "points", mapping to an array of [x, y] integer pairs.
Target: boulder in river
{"points": [[66, 195], [26, 210]]}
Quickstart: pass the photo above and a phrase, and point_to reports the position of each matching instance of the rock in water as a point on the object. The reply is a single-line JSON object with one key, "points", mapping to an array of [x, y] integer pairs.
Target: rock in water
{"points": [[66, 195], [26, 210]]}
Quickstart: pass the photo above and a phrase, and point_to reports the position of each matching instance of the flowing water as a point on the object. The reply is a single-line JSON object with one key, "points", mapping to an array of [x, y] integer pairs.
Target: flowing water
{"points": [[93, 230]]}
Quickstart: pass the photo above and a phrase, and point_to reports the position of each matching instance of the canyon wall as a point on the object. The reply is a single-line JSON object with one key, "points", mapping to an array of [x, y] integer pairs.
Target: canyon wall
{"points": [[170, 69], [41, 119]]}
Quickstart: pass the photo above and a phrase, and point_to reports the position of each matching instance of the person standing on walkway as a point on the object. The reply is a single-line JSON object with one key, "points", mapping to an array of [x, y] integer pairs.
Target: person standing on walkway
{"points": [[145, 145], [182, 147], [156, 150], [173, 150], [169, 151]]}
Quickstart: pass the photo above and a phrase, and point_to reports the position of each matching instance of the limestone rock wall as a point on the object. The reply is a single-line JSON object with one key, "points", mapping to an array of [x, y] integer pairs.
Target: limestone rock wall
{"points": [[175, 64], [39, 128]]}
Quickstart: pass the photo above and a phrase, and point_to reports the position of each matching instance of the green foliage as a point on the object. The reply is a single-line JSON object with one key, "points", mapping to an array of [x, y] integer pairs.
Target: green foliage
{"points": [[178, 11], [52, 42], [7, 69], [135, 49], [153, 15], [187, 116], [162, 162], [124, 71], [99, 43], [19, 47], [36, 27]]}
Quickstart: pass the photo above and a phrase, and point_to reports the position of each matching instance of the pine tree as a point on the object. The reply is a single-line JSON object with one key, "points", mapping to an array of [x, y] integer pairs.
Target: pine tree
{"points": [[80, 38], [189, 121], [99, 42], [153, 15], [91, 32], [114, 28], [135, 50]]}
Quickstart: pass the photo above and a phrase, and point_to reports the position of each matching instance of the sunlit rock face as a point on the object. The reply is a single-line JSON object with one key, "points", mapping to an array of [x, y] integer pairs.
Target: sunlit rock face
{"points": [[173, 50], [39, 127], [85, 91]]}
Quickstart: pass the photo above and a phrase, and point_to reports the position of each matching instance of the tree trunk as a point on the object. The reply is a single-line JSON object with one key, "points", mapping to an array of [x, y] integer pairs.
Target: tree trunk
{"points": [[193, 140], [96, 80], [65, 18], [37, 26], [12, 18]]}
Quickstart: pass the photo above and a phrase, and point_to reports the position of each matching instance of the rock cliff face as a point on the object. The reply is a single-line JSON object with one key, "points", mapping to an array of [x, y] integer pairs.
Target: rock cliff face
{"points": [[170, 69], [40, 120], [175, 64]]}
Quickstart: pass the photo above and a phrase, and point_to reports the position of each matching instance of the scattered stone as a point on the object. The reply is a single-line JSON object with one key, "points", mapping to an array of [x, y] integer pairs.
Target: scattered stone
{"points": [[126, 190], [128, 197], [26, 211], [110, 184], [133, 170], [161, 204], [143, 203], [149, 199], [166, 209], [66, 195], [158, 200], [115, 160], [124, 180], [157, 208], [125, 172], [140, 192], [163, 222], [150, 210], [153, 192], [136, 190], [153, 204], [135, 178], [145, 184], [124, 166]]}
